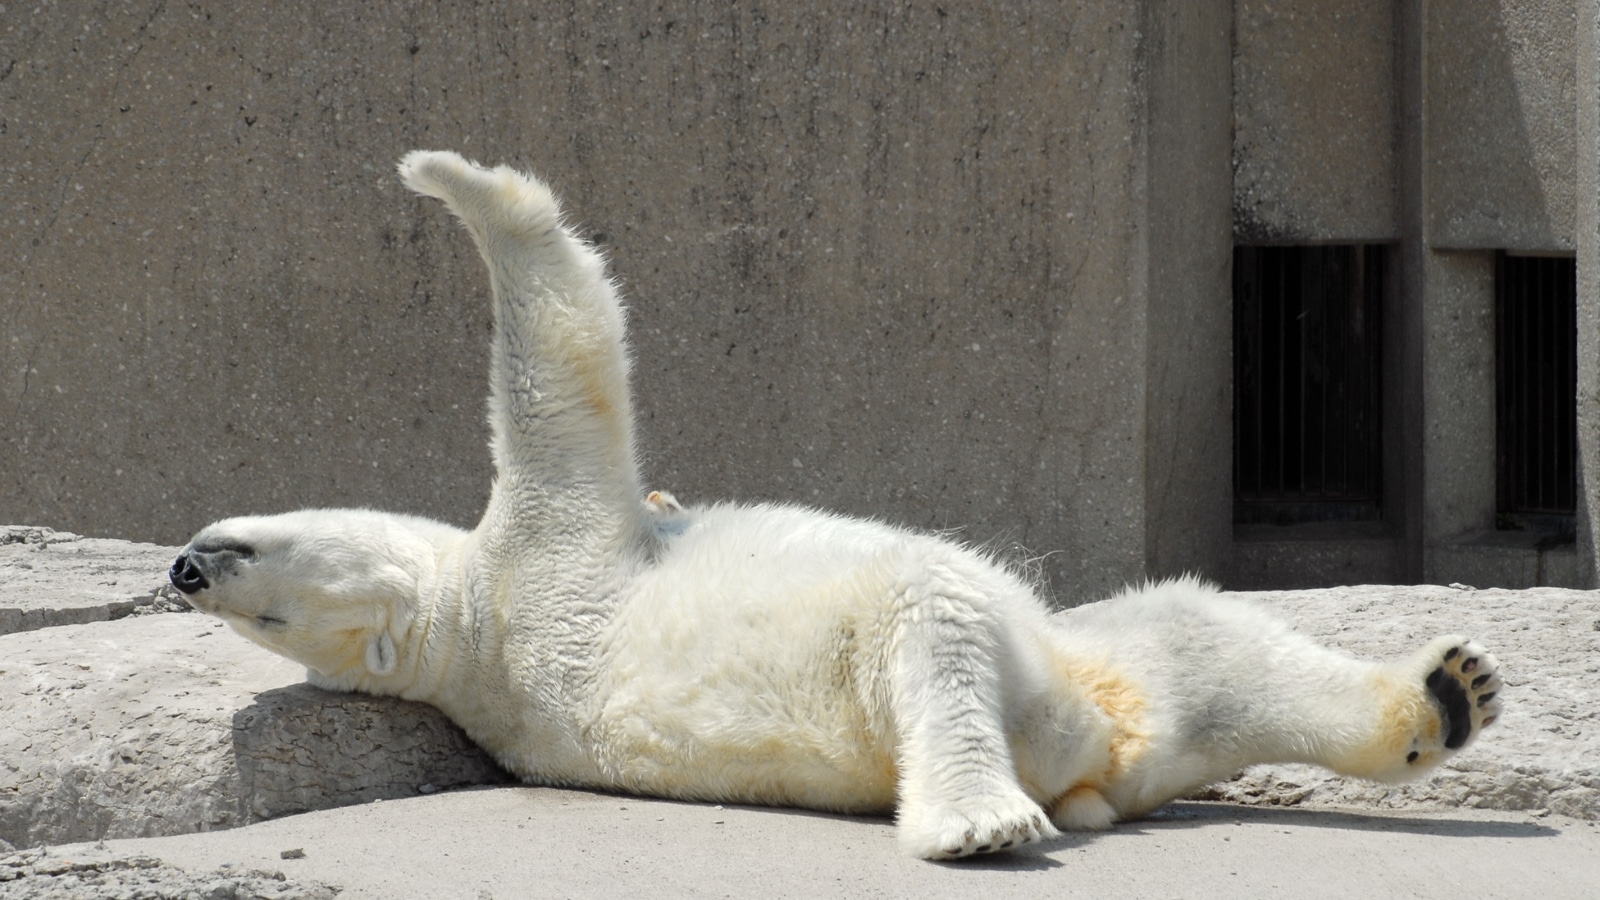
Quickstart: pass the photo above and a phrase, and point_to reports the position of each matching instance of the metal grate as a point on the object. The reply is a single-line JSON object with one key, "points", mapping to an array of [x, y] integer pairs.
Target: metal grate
{"points": [[1307, 403], [1536, 383]]}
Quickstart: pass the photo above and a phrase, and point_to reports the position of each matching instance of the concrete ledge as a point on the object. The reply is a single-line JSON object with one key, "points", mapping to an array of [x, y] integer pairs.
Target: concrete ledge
{"points": [[1506, 560], [171, 724], [300, 748], [1313, 555], [50, 578]]}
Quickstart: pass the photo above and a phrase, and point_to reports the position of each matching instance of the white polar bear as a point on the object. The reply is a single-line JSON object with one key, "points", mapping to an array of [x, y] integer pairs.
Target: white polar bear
{"points": [[777, 655]]}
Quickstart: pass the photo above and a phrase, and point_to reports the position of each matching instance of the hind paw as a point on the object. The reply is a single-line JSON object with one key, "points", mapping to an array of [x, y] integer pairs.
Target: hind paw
{"points": [[1466, 685], [1462, 681], [973, 825]]}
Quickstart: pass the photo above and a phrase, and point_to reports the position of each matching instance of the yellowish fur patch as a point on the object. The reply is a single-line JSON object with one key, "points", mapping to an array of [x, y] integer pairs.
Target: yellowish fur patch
{"points": [[1125, 704], [1404, 713]]}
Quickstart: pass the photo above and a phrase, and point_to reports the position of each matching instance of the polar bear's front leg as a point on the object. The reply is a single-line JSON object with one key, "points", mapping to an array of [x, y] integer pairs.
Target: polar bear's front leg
{"points": [[560, 407], [959, 793], [1428, 707]]}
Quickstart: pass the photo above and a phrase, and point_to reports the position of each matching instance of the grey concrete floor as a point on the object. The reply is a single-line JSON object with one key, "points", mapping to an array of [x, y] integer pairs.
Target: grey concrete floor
{"points": [[512, 842]]}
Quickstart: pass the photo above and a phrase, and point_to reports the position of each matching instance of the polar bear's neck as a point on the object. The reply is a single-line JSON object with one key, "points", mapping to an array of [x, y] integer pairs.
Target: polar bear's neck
{"points": [[507, 632]]}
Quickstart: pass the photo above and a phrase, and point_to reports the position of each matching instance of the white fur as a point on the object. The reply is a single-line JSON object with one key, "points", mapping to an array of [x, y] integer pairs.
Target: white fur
{"points": [[773, 654]]}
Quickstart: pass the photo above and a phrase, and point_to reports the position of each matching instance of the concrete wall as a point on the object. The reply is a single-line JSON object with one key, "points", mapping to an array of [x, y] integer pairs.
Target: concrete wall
{"points": [[882, 262], [1500, 95], [1500, 172], [1460, 388], [1446, 130], [954, 267], [1320, 154], [1187, 256], [1314, 121]]}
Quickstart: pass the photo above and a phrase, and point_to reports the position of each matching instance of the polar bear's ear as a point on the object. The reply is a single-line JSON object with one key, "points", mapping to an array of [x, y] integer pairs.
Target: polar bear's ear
{"points": [[381, 654]]}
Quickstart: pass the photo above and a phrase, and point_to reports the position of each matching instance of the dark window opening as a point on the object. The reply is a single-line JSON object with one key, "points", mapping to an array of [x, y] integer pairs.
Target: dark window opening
{"points": [[1536, 385], [1307, 383]]}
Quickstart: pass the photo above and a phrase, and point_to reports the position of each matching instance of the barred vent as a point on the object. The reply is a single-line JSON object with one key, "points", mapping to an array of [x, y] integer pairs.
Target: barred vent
{"points": [[1307, 381], [1536, 383]]}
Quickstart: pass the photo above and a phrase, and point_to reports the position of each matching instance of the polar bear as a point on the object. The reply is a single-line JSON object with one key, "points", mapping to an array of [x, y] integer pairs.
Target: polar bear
{"points": [[773, 654]]}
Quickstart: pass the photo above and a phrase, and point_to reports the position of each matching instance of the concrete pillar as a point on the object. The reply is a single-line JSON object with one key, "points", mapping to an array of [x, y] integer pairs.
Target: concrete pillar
{"points": [[1403, 363], [1184, 267], [1588, 247]]}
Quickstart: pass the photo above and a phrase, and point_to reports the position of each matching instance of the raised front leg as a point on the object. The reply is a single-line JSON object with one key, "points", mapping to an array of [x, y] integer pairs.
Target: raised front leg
{"points": [[560, 409]]}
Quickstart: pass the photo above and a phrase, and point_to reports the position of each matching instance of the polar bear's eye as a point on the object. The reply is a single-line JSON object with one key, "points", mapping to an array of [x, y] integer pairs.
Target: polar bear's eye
{"points": [[227, 545], [270, 622]]}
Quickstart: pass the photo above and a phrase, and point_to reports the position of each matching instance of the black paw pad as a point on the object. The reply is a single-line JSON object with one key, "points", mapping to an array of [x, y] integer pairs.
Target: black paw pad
{"points": [[1453, 705]]}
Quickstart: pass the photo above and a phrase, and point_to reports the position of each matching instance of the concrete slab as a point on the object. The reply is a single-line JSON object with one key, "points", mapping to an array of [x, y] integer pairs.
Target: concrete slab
{"points": [[522, 842], [170, 724], [50, 577]]}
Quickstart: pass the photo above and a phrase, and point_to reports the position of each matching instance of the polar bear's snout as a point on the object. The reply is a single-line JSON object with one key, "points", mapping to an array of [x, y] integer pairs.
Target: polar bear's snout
{"points": [[198, 566], [186, 575]]}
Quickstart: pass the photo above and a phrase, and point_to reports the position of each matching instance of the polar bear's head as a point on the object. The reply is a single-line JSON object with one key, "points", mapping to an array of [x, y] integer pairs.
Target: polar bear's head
{"points": [[335, 590]]}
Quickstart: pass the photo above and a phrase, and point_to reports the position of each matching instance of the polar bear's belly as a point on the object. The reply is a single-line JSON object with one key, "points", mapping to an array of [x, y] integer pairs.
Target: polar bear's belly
{"points": [[743, 680], [705, 751]]}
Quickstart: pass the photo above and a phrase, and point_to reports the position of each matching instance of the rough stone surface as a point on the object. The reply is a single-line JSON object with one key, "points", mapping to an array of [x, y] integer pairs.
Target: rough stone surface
{"points": [[1544, 754], [171, 724], [299, 747], [40, 875], [50, 577]]}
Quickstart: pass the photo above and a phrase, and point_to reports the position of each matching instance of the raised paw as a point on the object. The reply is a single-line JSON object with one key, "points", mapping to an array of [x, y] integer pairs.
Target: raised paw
{"points": [[1462, 681], [973, 825], [498, 200], [1466, 685]]}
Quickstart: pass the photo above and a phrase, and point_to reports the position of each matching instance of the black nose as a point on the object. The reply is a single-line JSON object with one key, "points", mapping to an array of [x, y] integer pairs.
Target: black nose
{"points": [[186, 576]]}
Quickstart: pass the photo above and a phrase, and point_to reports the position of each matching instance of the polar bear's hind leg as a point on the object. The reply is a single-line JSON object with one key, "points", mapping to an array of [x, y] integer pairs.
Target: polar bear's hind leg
{"points": [[1459, 686], [1427, 708]]}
